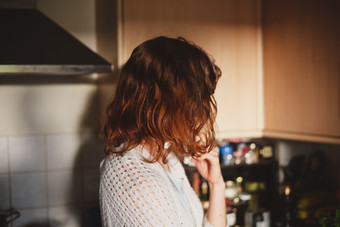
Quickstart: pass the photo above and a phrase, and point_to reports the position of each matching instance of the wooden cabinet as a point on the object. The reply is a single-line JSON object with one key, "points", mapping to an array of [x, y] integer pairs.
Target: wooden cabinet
{"points": [[279, 59], [301, 68]]}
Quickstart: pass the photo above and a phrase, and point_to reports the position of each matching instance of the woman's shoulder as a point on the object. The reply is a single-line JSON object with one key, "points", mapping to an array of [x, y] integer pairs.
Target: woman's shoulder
{"points": [[131, 163], [133, 175]]}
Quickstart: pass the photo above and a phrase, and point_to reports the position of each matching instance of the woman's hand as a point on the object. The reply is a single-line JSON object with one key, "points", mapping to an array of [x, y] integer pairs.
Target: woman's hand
{"points": [[208, 165]]}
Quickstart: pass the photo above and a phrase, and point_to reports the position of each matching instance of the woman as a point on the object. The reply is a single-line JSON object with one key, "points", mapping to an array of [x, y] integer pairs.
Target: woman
{"points": [[163, 111]]}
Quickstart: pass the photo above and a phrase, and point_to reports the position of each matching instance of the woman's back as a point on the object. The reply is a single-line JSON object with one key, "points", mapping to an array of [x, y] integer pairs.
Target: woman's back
{"points": [[136, 193]]}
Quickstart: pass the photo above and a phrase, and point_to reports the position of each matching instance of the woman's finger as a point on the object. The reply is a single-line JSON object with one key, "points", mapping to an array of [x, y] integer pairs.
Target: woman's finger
{"points": [[199, 159], [210, 158], [214, 152]]}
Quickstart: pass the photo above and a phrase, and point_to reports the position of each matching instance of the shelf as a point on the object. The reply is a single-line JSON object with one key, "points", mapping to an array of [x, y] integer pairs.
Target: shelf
{"points": [[233, 166]]}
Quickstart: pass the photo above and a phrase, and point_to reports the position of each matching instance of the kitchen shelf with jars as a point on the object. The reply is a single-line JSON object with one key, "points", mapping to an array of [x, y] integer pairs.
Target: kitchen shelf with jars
{"points": [[250, 172]]}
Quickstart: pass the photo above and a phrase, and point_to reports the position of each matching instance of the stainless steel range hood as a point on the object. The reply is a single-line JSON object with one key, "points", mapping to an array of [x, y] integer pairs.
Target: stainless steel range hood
{"points": [[32, 44]]}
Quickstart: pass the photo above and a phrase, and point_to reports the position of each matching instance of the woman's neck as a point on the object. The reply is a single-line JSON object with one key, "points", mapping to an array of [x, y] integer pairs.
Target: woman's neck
{"points": [[151, 148]]}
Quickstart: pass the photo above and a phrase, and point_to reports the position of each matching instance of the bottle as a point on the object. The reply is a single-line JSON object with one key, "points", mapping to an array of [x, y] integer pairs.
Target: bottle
{"points": [[230, 191], [288, 213], [226, 154], [239, 153], [204, 190], [204, 194], [252, 155], [243, 207]]}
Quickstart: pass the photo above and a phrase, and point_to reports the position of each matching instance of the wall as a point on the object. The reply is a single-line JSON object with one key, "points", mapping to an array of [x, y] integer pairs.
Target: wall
{"points": [[51, 179], [54, 105], [49, 148], [47, 106]]}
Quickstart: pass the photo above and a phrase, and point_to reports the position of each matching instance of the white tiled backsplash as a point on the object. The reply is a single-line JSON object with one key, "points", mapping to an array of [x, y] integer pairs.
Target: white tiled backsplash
{"points": [[53, 180]]}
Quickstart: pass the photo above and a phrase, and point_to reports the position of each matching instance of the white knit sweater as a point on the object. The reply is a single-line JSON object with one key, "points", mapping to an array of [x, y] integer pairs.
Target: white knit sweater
{"points": [[136, 193]]}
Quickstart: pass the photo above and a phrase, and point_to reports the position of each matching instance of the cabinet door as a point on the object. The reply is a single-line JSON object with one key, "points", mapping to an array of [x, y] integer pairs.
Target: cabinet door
{"points": [[302, 67], [228, 30]]}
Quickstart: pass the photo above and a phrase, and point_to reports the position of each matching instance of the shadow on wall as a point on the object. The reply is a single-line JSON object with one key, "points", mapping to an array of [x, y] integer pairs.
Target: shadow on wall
{"points": [[86, 170], [37, 225], [55, 106], [76, 202]]}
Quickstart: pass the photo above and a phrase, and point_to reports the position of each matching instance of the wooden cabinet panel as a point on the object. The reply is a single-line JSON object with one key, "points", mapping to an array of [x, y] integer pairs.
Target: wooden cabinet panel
{"points": [[279, 59], [302, 67], [228, 30]]}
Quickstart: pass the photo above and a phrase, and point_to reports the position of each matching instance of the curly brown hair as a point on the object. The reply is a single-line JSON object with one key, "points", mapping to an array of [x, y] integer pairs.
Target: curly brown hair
{"points": [[164, 94]]}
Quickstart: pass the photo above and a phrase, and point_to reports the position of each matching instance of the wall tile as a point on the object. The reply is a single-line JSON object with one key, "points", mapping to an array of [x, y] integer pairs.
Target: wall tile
{"points": [[3, 155], [28, 190], [65, 216], [27, 153], [92, 150], [31, 217], [4, 192], [63, 151], [64, 187]]}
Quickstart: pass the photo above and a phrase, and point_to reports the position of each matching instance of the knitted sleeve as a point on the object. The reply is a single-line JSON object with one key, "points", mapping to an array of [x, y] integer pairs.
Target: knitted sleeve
{"points": [[131, 194]]}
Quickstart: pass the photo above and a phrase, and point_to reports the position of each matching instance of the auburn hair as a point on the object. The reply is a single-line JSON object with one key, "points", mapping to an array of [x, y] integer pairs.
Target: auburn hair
{"points": [[164, 94]]}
